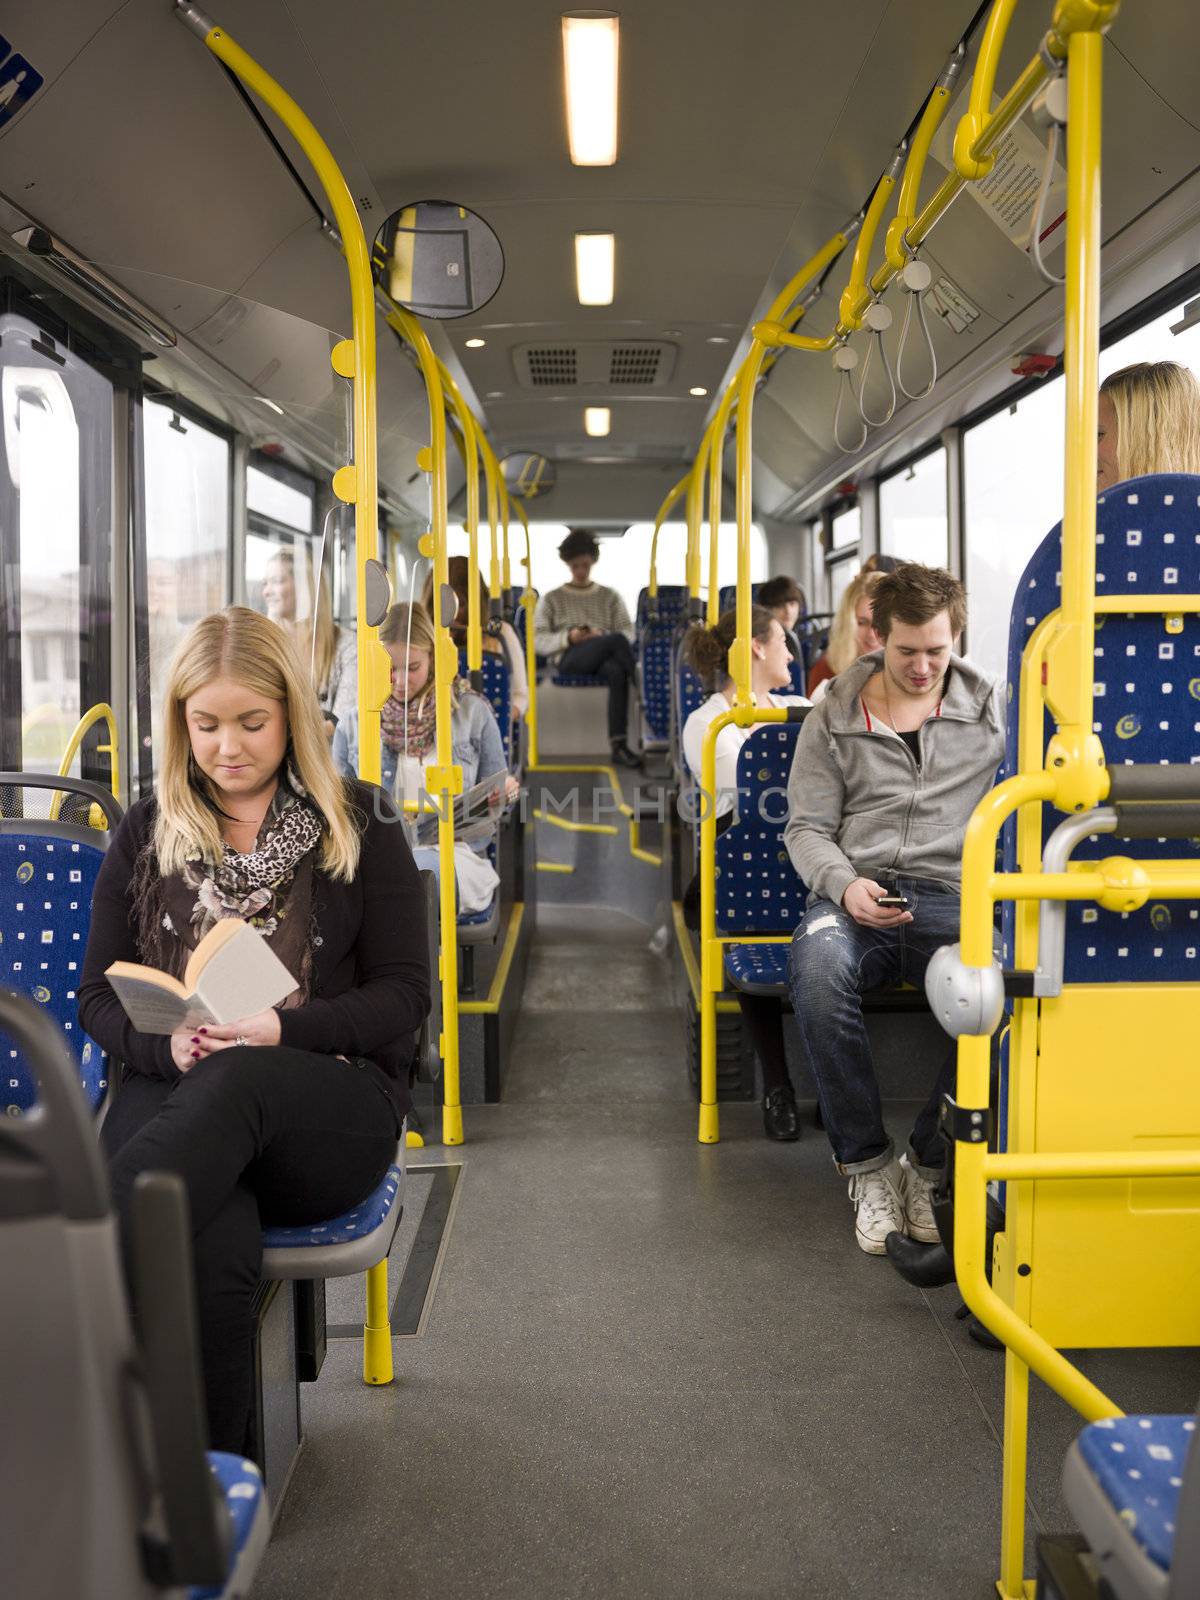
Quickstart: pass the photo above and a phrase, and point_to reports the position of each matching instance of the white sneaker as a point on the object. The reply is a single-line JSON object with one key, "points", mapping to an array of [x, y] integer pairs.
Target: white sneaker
{"points": [[878, 1200], [918, 1205]]}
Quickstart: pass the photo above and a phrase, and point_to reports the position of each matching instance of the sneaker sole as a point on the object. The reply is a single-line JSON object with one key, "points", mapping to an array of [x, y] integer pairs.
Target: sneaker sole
{"points": [[869, 1246], [924, 1235]]}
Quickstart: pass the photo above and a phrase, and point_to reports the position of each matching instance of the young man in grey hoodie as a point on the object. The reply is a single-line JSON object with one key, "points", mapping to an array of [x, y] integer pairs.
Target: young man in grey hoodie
{"points": [[887, 771]]}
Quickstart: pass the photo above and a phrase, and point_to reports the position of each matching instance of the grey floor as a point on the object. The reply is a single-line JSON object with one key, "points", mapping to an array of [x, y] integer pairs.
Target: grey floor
{"points": [[649, 1367]]}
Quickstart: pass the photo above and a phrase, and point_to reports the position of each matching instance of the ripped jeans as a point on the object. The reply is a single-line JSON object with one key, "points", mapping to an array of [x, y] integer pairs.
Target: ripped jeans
{"points": [[833, 961]]}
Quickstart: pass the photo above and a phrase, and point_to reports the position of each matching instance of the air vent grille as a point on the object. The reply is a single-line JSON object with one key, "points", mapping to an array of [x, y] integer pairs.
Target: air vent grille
{"points": [[553, 366], [634, 364]]}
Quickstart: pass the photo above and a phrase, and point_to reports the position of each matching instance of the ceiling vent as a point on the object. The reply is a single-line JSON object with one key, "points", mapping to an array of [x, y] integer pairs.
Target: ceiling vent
{"points": [[552, 366], [594, 365]]}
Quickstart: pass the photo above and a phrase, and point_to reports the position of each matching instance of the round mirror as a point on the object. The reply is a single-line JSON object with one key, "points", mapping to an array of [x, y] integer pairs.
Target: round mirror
{"points": [[527, 475], [437, 259]]}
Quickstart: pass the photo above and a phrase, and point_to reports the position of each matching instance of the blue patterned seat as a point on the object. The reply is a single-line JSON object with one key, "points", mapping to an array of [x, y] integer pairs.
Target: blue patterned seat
{"points": [[1124, 1481], [356, 1223], [48, 874], [1147, 710], [655, 642], [727, 596], [246, 1501], [345, 1245], [758, 889], [497, 691]]}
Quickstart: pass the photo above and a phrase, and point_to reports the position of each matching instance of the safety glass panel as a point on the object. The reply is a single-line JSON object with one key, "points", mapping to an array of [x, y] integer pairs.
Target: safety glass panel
{"points": [[1013, 469], [913, 524], [846, 527]]}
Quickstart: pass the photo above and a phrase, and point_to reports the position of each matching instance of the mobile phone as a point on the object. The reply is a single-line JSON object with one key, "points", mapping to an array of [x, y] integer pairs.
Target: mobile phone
{"points": [[900, 900]]}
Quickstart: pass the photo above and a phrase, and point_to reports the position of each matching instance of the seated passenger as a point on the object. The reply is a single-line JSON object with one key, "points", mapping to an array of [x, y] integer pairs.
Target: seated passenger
{"points": [[499, 638], [584, 628], [707, 653], [784, 599], [409, 746], [851, 635], [291, 1115], [887, 771]]}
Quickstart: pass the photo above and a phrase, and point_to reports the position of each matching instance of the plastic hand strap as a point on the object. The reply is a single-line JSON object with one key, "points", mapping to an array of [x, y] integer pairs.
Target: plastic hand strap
{"points": [[870, 421], [847, 384], [1039, 209], [916, 297]]}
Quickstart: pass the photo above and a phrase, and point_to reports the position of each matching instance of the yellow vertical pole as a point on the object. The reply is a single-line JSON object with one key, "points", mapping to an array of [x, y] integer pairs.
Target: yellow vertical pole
{"points": [[747, 379], [664, 511], [529, 605], [695, 507], [1075, 752], [1012, 1493], [716, 453], [444, 780]]}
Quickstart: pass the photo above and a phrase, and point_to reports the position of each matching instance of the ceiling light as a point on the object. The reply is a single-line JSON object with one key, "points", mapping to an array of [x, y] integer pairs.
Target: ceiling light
{"points": [[596, 421], [595, 268], [476, 344], [590, 48], [263, 401], [716, 338], [699, 390], [494, 394]]}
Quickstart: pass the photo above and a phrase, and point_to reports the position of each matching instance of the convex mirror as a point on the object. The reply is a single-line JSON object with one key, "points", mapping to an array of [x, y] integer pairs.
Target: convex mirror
{"points": [[438, 259]]}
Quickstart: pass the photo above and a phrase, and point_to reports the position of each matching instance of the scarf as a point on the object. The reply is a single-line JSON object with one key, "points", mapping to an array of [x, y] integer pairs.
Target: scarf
{"points": [[422, 721], [270, 887]]}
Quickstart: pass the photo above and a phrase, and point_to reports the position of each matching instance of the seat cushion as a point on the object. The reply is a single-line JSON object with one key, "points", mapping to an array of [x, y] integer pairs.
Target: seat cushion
{"points": [[757, 968], [1138, 1465], [245, 1495], [356, 1223]]}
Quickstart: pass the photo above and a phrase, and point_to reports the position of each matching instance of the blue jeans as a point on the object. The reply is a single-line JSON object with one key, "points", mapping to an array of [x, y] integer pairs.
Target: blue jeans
{"points": [[833, 961]]}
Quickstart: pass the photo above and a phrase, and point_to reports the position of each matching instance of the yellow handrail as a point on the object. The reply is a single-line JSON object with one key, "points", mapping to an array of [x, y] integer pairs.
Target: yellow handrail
{"points": [[529, 606], [895, 242], [101, 712], [716, 457], [673, 498]]}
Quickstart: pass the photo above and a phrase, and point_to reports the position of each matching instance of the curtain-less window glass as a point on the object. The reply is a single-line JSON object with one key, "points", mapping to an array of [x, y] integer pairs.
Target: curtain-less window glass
{"points": [[280, 520], [1013, 467], [55, 541], [187, 468], [912, 512], [846, 527]]}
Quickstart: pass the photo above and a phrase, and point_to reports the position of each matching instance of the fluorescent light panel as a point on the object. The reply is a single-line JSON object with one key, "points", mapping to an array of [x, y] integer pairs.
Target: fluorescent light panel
{"points": [[595, 268], [591, 43], [596, 421]]}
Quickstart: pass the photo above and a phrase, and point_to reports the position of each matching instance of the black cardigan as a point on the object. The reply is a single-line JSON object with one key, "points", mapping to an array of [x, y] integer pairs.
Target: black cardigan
{"points": [[370, 971]]}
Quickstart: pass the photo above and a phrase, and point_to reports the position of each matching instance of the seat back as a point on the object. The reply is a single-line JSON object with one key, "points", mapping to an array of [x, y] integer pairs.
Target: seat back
{"points": [[727, 596], [1147, 710], [514, 611], [95, 1511], [656, 631], [758, 888], [48, 871], [496, 688]]}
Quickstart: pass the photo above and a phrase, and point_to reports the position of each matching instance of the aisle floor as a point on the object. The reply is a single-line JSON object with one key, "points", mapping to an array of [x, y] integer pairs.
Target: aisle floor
{"points": [[649, 1366]]}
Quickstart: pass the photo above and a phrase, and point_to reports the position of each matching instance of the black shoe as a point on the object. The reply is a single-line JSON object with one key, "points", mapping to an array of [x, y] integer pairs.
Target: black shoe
{"points": [[780, 1118], [979, 1333], [623, 756], [926, 1265]]}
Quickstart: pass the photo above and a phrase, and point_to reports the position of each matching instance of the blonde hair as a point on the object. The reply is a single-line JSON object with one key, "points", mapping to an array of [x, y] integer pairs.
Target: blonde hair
{"points": [[419, 633], [300, 628], [1157, 407], [250, 649], [843, 649]]}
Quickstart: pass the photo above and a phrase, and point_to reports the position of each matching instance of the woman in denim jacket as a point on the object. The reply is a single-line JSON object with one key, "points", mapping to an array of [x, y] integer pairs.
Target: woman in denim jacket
{"points": [[409, 744]]}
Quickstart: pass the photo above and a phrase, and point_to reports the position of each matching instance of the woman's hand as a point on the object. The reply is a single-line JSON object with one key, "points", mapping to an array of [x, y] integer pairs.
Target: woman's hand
{"points": [[186, 1047], [262, 1028]]}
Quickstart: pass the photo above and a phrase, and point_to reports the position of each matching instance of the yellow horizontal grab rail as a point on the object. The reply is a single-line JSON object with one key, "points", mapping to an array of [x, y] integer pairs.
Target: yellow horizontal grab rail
{"points": [[1092, 1164], [854, 296], [102, 712], [895, 246]]}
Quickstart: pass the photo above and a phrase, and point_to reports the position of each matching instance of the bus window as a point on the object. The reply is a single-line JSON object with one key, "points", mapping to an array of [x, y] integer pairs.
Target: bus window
{"points": [[1013, 468], [187, 475], [912, 512], [55, 541]]}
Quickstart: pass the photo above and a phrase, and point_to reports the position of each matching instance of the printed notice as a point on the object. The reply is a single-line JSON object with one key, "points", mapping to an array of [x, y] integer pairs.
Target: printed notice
{"points": [[1009, 192], [946, 300]]}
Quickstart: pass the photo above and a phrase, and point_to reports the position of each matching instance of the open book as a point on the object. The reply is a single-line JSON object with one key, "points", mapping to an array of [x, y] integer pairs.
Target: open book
{"points": [[232, 973]]}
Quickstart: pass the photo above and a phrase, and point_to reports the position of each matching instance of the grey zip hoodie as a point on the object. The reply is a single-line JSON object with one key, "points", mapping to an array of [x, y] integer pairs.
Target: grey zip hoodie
{"points": [[858, 803]]}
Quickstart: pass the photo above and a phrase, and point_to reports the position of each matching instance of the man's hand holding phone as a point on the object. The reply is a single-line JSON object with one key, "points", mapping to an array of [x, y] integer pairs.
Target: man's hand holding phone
{"points": [[862, 899]]}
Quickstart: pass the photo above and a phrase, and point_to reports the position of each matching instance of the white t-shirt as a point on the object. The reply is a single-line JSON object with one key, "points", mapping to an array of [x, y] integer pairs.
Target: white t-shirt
{"points": [[729, 743]]}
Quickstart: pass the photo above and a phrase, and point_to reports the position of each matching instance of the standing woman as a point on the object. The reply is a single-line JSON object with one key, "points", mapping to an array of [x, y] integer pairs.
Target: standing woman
{"points": [[289, 1116], [332, 656]]}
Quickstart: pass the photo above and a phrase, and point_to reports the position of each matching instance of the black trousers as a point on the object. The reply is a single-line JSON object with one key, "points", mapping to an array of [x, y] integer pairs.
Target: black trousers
{"points": [[609, 657], [260, 1136]]}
